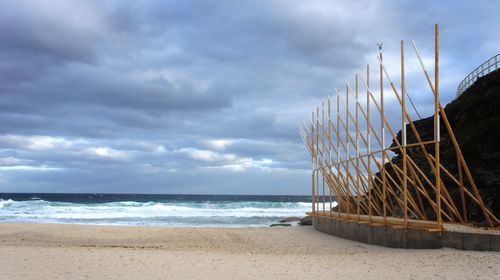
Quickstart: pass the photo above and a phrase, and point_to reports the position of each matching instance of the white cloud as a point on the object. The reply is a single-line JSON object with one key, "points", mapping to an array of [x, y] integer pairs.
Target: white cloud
{"points": [[30, 168], [231, 162], [108, 153], [206, 155], [12, 161], [218, 144], [37, 143], [161, 149], [242, 164]]}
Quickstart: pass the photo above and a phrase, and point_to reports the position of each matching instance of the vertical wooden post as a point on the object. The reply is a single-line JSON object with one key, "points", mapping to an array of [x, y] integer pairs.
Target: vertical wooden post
{"points": [[330, 147], [323, 145], [382, 135], [338, 150], [368, 145], [320, 163], [403, 136], [437, 170], [347, 156], [357, 148], [314, 164]]}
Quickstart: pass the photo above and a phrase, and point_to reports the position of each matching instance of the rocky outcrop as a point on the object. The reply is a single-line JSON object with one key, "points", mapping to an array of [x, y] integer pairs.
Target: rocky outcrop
{"points": [[280, 225], [475, 120], [306, 221]]}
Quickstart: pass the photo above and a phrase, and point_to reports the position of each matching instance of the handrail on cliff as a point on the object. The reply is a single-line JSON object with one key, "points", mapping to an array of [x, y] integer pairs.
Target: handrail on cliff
{"points": [[487, 67]]}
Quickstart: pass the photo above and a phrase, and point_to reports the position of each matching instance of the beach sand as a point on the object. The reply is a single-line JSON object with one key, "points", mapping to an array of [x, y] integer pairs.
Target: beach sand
{"points": [[48, 251]]}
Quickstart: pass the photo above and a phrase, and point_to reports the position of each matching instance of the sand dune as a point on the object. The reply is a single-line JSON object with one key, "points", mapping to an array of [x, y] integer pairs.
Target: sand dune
{"points": [[46, 251]]}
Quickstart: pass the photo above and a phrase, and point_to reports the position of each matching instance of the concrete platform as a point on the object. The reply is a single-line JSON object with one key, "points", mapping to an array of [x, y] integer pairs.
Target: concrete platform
{"points": [[461, 238]]}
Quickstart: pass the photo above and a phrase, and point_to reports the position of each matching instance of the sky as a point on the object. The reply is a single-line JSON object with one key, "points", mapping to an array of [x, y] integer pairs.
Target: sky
{"points": [[201, 97]]}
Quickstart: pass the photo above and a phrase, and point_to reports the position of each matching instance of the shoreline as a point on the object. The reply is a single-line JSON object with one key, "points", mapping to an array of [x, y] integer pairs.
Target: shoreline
{"points": [[293, 224], [57, 251]]}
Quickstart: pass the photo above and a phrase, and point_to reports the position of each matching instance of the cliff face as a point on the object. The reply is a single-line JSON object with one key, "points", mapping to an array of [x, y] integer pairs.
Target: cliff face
{"points": [[475, 120]]}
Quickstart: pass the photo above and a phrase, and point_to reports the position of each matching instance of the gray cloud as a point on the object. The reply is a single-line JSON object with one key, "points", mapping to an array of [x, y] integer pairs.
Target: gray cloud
{"points": [[198, 96]]}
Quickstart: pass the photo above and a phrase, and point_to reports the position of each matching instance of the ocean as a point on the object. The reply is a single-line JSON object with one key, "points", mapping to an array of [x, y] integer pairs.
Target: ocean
{"points": [[151, 209]]}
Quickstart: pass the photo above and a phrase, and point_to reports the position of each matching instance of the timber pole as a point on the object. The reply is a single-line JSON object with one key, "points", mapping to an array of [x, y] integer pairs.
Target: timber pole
{"points": [[437, 169], [403, 136]]}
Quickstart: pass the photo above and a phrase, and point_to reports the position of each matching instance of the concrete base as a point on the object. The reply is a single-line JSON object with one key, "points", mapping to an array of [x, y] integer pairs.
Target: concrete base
{"points": [[409, 238]]}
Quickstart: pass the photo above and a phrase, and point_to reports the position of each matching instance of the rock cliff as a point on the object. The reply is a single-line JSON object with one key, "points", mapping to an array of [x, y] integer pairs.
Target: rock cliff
{"points": [[475, 120]]}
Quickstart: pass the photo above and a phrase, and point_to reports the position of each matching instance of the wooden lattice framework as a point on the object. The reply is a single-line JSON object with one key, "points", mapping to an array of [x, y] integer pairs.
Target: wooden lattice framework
{"points": [[352, 167]]}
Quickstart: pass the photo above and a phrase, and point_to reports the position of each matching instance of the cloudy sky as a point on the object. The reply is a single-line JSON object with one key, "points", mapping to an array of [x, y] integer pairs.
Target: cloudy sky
{"points": [[199, 96]]}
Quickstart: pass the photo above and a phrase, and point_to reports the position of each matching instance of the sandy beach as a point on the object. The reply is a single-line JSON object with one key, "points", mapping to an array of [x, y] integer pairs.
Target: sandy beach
{"points": [[49, 251]]}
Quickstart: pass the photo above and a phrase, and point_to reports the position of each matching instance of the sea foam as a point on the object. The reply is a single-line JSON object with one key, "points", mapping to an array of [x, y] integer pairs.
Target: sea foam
{"points": [[184, 213]]}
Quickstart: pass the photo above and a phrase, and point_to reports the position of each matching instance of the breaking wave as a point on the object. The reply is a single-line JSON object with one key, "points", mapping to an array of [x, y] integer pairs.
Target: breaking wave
{"points": [[208, 213]]}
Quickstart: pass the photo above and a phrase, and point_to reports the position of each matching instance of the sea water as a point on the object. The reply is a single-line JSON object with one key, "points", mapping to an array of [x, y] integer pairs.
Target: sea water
{"points": [[152, 210]]}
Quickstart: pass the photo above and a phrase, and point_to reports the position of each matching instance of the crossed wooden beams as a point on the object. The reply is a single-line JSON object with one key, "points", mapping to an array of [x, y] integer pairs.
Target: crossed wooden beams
{"points": [[352, 163]]}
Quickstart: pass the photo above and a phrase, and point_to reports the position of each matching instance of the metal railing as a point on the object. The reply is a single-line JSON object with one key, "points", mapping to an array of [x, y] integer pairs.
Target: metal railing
{"points": [[489, 66]]}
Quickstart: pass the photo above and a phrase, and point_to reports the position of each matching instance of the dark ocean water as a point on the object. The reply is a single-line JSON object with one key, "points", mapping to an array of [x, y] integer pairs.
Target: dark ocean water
{"points": [[151, 209]]}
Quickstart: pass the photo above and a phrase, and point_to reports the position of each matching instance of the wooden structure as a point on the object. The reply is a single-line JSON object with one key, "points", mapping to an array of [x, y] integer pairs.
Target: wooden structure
{"points": [[353, 176]]}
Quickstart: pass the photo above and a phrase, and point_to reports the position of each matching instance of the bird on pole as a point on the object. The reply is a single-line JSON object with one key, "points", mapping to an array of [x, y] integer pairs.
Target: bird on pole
{"points": [[379, 45]]}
